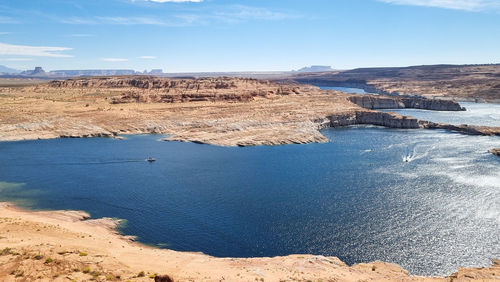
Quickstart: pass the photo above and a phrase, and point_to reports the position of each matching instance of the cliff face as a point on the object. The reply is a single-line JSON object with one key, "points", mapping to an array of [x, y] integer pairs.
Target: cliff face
{"points": [[390, 120], [463, 128], [382, 102], [145, 89]]}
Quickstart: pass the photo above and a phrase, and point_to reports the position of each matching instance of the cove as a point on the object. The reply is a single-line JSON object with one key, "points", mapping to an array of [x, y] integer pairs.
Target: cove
{"points": [[354, 197]]}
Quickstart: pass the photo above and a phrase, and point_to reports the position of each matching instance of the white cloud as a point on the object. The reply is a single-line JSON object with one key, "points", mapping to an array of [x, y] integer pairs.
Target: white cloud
{"points": [[229, 14], [147, 57], [17, 59], [467, 5], [114, 60], [37, 51], [174, 1], [4, 32], [115, 21], [243, 13]]}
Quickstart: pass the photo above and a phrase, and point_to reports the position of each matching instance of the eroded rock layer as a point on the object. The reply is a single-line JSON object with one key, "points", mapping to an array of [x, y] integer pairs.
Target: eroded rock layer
{"points": [[146, 89]]}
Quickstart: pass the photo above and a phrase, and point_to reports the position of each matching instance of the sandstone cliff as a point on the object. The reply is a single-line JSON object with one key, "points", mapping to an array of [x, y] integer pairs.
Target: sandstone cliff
{"points": [[463, 128], [390, 120], [384, 102]]}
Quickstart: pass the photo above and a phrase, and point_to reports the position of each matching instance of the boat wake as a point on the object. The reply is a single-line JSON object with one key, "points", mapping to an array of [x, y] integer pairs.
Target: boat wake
{"points": [[414, 155]]}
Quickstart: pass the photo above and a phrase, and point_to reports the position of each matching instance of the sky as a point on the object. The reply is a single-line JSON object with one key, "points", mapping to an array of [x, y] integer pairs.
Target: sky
{"points": [[251, 35]]}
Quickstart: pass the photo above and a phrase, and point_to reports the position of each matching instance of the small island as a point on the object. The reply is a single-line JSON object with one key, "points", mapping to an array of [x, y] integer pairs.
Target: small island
{"points": [[495, 151]]}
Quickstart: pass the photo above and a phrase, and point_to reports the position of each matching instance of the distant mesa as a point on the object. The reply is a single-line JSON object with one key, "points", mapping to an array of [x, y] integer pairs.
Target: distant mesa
{"points": [[316, 69], [38, 71], [153, 71]]}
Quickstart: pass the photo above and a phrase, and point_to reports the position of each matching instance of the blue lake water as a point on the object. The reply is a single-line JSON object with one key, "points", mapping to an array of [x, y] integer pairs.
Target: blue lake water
{"points": [[354, 197], [345, 89]]}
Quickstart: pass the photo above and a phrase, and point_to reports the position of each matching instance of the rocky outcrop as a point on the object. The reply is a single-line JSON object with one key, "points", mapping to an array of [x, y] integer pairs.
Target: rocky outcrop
{"points": [[393, 120], [390, 120], [432, 104], [495, 151], [383, 102]]}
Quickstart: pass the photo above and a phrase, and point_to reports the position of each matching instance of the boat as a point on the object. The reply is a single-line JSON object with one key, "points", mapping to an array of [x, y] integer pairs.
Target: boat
{"points": [[151, 160]]}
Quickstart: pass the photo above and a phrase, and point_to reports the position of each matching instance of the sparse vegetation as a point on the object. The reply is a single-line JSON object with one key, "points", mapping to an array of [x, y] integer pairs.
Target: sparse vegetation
{"points": [[83, 254], [374, 268], [95, 273], [38, 257], [48, 260], [141, 274], [86, 270], [5, 251]]}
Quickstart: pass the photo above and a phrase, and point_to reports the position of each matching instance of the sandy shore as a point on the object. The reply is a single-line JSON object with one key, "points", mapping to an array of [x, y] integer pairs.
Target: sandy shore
{"points": [[67, 246]]}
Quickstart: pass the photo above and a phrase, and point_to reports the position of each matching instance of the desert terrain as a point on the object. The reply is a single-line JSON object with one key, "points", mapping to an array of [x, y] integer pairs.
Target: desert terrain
{"points": [[219, 111], [462, 82]]}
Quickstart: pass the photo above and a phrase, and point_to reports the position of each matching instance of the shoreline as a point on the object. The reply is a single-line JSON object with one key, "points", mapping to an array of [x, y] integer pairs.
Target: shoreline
{"points": [[72, 239], [385, 119]]}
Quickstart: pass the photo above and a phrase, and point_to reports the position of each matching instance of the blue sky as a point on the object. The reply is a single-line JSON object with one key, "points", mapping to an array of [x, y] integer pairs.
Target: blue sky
{"points": [[252, 35]]}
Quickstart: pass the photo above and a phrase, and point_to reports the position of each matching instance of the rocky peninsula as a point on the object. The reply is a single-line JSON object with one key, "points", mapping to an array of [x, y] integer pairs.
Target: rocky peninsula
{"points": [[495, 152], [220, 111]]}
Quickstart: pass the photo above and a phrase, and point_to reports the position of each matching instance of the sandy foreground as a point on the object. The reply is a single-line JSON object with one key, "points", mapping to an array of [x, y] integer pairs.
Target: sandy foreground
{"points": [[68, 246]]}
